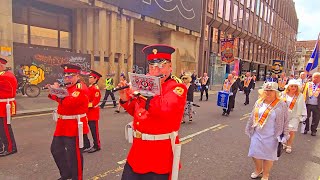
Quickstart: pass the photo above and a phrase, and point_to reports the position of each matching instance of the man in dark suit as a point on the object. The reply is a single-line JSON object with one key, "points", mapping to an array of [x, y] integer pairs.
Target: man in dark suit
{"points": [[247, 86], [205, 81], [237, 85]]}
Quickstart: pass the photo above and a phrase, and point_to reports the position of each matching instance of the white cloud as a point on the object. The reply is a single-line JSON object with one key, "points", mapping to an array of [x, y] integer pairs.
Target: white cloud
{"points": [[308, 14]]}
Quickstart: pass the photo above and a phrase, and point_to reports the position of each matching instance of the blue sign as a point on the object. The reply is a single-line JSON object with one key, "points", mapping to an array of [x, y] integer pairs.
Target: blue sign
{"points": [[223, 99]]}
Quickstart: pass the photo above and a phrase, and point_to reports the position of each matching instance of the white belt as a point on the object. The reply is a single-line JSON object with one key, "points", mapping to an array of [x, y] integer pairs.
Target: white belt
{"points": [[65, 117], [152, 137], [6, 100]]}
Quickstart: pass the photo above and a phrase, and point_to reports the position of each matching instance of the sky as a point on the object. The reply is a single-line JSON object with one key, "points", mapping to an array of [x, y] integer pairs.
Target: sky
{"points": [[308, 12]]}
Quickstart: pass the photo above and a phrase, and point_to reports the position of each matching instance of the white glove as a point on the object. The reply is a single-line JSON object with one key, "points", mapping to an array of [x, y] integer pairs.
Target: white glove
{"points": [[231, 94], [207, 87]]}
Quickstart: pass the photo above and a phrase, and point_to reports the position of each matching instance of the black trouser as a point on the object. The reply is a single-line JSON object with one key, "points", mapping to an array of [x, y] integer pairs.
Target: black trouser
{"points": [[230, 105], [234, 99], [203, 88], [254, 85], [106, 95], [7, 141], [68, 157], [247, 92], [128, 174], [94, 128], [86, 142], [315, 117]]}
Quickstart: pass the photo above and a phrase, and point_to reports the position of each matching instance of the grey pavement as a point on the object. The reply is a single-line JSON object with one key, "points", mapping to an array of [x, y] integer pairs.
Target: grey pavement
{"points": [[216, 148]]}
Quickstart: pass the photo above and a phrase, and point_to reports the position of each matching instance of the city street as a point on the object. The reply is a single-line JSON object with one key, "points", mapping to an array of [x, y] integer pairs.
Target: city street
{"points": [[214, 147]]}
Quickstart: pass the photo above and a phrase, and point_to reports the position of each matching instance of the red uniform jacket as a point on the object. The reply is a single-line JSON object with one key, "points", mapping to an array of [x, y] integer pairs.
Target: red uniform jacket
{"points": [[94, 99], [8, 87], [74, 104], [163, 116]]}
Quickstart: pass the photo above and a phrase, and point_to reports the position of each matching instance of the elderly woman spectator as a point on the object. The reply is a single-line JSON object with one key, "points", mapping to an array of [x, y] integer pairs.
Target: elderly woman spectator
{"points": [[267, 126], [297, 109]]}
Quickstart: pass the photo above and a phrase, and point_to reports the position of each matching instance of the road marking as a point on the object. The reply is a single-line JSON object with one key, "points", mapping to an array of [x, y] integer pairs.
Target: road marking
{"points": [[183, 140], [248, 114], [26, 116], [200, 132], [186, 141], [102, 175], [244, 118], [220, 127]]}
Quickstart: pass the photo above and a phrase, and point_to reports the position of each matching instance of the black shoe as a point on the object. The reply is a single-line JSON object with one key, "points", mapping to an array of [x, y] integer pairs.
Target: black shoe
{"points": [[223, 114], [101, 107], [93, 149], [117, 111], [182, 122], [245, 104], [65, 178], [305, 132], [200, 99], [227, 114], [6, 153], [313, 133], [190, 120], [86, 149], [115, 106]]}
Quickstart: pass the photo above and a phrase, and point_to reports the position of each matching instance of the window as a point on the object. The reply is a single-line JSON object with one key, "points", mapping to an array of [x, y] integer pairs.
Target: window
{"points": [[259, 29], [261, 9], [252, 5], [44, 36], [248, 4], [20, 33], [246, 21], [228, 10], [246, 50], [251, 22], [272, 19], [235, 14], [242, 1], [210, 6], [240, 17], [258, 7], [268, 18], [220, 10], [65, 39], [241, 48], [265, 12]]}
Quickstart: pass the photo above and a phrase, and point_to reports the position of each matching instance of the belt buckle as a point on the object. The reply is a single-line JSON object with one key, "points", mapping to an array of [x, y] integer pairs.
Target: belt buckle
{"points": [[60, 116], [138, 135]]}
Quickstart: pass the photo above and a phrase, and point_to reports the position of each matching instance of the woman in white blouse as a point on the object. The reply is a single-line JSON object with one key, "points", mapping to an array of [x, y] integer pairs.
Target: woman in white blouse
{"points": [[297, 109]]}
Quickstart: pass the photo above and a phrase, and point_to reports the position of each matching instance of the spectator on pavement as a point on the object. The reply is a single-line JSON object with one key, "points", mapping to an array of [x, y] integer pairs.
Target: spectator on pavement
{"points": [[267, 126], [188, 109]]}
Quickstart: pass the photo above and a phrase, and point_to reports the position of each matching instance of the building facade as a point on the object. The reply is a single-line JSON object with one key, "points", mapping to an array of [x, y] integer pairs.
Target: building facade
{"points": [[263, 30], [304, 50], [103, 35]]}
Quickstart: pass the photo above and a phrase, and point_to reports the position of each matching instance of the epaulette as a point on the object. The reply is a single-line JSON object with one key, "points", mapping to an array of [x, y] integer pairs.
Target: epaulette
{"points": [[96, 86], [178, 80], [2, 73], [79, 85]]}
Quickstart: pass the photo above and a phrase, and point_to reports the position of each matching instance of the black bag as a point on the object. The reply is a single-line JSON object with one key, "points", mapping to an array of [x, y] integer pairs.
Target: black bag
{"points": [[280, 146]]}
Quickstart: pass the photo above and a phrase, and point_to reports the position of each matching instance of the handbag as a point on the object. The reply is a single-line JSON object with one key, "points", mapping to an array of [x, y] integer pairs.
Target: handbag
{"points": [[280, 146]]}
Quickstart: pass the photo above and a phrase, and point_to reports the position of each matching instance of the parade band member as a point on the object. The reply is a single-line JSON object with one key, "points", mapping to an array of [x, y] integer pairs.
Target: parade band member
{"points": [[268, 121], [303, 80], [237, 85], [247, 86], [156, 121], [297, 109], [312, 98], [282, 81], [205, 81], [67, 143], [94, 110], [109, 87], [8, 86], [229, 86], [122, 81]]}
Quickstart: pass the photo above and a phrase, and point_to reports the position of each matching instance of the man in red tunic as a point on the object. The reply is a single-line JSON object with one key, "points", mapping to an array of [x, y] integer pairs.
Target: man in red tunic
{"points": [[94, 110], [156, 120], [8, 86], [67, 143]]}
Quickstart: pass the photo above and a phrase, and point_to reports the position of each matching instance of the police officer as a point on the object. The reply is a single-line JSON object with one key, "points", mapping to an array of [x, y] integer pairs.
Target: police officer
{"points": [[156, 121], [94, 110], [67, 143], [109, 87], [8, 86]]}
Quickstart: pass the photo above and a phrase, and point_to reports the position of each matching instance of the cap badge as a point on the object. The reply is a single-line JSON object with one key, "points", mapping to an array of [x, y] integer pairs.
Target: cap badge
{"points": [[155, 51]]}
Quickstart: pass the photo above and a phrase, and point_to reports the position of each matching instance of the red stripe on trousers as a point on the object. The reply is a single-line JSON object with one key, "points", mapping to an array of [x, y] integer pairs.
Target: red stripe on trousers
{"points": [[79, 159], [97, 134], [6, 130]]}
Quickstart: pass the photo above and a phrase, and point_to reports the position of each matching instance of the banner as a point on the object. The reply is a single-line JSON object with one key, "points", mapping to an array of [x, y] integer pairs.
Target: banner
{"points": [[43, 66], [183, 13], [227, 51], [277, 66], [223, 99]]}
